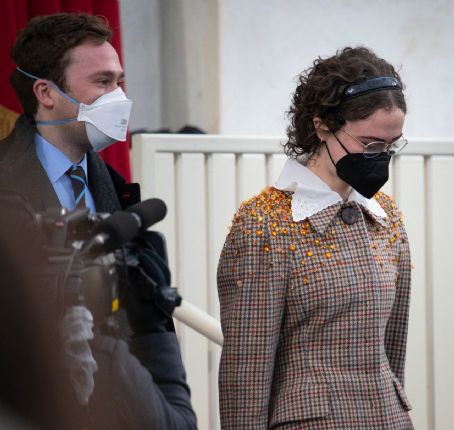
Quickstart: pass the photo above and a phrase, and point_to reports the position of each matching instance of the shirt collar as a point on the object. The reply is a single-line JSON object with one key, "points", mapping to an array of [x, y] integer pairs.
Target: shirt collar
{"points": [[55, 162], [311, 195]]}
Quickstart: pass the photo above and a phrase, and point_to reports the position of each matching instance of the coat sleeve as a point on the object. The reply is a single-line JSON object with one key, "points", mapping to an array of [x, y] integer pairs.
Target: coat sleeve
{"points": [[148, 394], [397, 327], [251, 287]]}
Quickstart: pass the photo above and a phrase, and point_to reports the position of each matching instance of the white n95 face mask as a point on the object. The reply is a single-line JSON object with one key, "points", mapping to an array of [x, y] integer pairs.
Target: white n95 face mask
{"points": [[106, 119]]}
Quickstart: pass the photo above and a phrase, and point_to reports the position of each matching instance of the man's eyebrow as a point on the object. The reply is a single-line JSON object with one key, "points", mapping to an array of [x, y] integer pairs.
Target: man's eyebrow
{"points": [[107, 74], [375, 138]]}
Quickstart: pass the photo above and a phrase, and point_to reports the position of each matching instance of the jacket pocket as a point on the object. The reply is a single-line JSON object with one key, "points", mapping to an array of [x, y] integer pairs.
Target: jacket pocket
{"points": [[308, 401], [402, 396]]}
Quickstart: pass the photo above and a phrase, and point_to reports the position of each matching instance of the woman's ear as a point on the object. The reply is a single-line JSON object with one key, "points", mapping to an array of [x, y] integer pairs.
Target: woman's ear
{"points": [[321, 128]]}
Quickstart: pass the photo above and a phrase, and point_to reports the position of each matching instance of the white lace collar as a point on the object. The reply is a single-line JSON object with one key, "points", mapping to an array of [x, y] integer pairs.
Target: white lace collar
{"points": [[311, 195]]}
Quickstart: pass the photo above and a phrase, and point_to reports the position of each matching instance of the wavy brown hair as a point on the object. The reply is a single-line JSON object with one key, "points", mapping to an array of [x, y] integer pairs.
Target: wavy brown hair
{"points": [[320, 93], [42, 49]]}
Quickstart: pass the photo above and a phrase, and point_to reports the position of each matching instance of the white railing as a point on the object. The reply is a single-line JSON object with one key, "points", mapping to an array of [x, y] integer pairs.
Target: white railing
{"points": [[204, 178]]}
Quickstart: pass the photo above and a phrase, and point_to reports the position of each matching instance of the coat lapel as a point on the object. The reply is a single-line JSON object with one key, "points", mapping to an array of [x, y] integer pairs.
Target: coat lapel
{"points": [[100, 185], [21, 169]]}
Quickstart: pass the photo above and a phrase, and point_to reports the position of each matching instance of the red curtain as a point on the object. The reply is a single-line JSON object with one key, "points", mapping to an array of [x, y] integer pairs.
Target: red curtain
{"points": [[16, 13]]}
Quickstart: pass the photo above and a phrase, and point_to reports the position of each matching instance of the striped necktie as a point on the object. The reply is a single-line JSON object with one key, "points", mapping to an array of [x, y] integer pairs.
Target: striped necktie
{"points": [[79, 183]]}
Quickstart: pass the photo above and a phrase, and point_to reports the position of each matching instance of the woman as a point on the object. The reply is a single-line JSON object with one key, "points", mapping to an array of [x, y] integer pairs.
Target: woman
{"points": [[314, 277]]}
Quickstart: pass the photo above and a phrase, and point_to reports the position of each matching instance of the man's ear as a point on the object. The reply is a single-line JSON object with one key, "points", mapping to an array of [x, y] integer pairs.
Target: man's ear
{"points": [[321, 128], [44, 93]]}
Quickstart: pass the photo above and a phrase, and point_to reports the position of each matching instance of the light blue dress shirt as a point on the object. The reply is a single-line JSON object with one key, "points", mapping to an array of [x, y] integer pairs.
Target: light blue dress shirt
{"points": [[55, 164]]}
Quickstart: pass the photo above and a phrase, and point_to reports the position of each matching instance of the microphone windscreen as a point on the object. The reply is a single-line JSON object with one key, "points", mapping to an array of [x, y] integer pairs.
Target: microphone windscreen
{"points": [[150, 212], [121, 227]]}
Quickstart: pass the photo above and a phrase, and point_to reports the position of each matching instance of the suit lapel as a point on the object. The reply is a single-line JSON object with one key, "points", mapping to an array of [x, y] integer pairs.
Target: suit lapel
{"points": [[21, 169], [100, 185]]}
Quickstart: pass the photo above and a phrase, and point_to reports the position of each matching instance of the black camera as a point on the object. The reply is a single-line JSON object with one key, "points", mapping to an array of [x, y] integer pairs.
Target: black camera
{"points": [[80, 267], [87, 259], [90, 258]]}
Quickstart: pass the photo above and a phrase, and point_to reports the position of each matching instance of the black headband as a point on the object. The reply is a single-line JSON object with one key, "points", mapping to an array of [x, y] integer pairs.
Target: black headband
{"points": [[370, 86]]}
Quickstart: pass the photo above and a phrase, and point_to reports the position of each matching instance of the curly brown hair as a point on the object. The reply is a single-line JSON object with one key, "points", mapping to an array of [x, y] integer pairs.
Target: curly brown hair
{"points": [[320, 93], [42, 49]]}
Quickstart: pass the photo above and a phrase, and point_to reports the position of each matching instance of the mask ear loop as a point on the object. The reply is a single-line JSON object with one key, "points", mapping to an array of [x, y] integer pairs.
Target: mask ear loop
{"points": [[56, 121], [340, 143], [66, 96], [329, 153]]}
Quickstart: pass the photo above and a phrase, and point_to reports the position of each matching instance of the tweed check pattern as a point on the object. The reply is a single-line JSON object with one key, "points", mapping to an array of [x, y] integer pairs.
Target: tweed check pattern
{"points": [[314, 315], [79, 184]]}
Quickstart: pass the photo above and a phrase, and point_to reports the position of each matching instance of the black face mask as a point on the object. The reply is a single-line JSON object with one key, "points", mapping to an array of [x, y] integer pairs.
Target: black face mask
{"points": [[365, 175]]}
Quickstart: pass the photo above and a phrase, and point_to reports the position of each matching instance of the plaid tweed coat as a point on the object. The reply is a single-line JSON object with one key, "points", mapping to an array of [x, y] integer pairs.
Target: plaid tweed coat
{"points": [[314, 315]]}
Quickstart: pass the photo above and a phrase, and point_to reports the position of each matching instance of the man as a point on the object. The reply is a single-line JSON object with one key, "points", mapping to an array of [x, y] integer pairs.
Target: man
{"points": [[68, 80], [60, 56]]}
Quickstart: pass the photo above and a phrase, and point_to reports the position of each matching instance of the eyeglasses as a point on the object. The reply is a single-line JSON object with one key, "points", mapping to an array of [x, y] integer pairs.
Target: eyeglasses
{"points": [[372, 149]]}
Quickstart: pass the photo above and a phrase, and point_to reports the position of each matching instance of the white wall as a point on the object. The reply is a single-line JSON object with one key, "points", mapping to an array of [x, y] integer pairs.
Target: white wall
{"points": [[141, 39], [264, 44], [170, 50], [228, 66]]}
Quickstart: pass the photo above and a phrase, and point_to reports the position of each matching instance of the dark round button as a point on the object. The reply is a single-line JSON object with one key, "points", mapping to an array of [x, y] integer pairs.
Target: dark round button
{"points": [[349, 215]]}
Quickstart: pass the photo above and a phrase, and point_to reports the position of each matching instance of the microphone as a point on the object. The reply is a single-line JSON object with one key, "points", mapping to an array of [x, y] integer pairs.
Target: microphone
{"points": [[114, 231], [122, 226], [148, 212]]}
